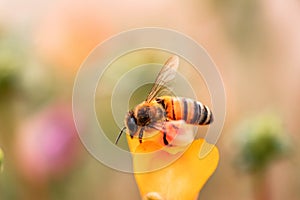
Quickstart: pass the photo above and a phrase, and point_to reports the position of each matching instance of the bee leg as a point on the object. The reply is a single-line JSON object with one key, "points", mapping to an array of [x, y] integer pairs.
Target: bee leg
{"points": [[141, 135], [165, 138]]}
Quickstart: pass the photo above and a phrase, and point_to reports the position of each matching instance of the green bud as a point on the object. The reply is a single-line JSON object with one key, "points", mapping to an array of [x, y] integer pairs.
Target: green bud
{"points": [[260, 141]]}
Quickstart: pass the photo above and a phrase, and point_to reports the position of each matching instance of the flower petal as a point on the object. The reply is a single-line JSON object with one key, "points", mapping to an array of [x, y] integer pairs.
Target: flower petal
{"points": [[182, 179]]}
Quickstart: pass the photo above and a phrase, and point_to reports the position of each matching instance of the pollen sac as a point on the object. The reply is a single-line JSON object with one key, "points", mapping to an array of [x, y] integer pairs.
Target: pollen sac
{"points": [[179, 133]]}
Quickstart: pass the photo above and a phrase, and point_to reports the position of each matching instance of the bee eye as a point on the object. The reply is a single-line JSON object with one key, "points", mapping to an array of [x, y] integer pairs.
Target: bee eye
{"points": [[131, 125]]}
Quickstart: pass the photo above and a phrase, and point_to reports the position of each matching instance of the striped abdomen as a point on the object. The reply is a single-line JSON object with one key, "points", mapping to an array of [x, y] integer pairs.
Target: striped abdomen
{"points": [[191, 111]]}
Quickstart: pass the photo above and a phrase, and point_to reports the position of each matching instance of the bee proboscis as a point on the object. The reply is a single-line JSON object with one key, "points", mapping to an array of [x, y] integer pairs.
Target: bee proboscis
{"points": [[158, 112]]}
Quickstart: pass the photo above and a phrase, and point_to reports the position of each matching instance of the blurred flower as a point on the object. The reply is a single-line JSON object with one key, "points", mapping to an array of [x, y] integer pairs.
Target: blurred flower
{"points": [[1, 160], [260, 141], [47, 145], [66, 34], [182, 179]]}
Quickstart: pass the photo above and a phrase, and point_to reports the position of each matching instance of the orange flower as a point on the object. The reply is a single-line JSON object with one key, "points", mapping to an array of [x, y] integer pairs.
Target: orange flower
{"points": [[182, 179]]}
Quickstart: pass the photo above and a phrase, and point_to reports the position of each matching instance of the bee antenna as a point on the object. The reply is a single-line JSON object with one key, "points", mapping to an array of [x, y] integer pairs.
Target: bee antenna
{"points": [[120, 134]]}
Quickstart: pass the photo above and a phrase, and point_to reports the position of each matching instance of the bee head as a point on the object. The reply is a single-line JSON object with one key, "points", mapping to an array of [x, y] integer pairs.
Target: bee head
{"points": [[131, 123]]}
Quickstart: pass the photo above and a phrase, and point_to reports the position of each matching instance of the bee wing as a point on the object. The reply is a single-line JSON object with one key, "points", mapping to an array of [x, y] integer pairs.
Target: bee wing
{"points": [[157, 126], [166, 74]]}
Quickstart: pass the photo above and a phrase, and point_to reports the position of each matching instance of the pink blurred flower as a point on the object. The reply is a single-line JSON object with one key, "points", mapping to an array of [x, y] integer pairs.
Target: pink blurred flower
{"points": [[47, 146]]}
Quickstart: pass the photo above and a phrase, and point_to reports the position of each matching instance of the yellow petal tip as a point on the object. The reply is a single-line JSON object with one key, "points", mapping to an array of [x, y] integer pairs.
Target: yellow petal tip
{"points": [[153, 196]]}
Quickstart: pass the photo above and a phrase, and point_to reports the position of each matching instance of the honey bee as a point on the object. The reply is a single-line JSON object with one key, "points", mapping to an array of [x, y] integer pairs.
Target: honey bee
{"points": [[159, 112]]}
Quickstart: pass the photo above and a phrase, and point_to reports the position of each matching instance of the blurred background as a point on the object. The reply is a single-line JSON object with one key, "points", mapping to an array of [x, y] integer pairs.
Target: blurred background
{"points": [[255, 45]]}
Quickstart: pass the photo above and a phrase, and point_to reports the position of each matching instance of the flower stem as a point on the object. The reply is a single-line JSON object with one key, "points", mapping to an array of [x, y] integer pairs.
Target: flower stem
{"points": [[261, 186]]}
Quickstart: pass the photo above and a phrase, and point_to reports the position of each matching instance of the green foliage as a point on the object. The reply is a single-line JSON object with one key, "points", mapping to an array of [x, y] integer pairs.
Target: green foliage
{"points": [[10, 64], [23, 76], [261, 140]]}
